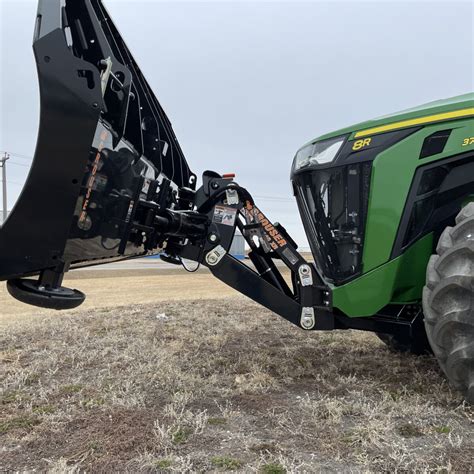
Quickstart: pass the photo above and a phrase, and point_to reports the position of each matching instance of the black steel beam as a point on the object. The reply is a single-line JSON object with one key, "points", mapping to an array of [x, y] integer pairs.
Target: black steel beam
{"points": [[243, 279]]}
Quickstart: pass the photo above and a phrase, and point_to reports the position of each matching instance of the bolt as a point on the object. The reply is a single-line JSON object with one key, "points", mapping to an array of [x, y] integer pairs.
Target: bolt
{"points": [[212, 237], [211, 259], [306, 322], [214, 185], [304, 269]]}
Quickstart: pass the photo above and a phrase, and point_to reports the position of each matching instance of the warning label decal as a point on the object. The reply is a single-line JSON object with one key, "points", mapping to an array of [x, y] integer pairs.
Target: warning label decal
{"points": [[224, 215]]}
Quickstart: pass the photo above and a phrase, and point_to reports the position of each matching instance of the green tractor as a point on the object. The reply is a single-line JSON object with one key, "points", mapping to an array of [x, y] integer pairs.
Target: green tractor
{"points": [[387, 205], [387, 202]]}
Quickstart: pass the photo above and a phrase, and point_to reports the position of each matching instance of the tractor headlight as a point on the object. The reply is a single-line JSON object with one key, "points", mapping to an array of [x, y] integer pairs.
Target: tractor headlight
{"points": [[318, 153]]}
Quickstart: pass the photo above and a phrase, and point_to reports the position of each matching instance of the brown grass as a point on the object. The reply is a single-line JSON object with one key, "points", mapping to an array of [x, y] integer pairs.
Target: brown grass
{"points": [[217, 385]]}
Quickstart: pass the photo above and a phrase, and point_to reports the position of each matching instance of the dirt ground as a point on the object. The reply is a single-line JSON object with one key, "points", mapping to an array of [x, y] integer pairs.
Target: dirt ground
{"points": [[152, 384]]}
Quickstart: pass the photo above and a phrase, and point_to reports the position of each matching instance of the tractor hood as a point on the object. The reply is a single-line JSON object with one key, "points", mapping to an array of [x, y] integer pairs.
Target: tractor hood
{"points": [[447, 109], [104, 142]]}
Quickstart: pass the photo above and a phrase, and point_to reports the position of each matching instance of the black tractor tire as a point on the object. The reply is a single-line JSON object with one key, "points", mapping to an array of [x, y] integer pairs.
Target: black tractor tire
{"points": [[448, 302]]}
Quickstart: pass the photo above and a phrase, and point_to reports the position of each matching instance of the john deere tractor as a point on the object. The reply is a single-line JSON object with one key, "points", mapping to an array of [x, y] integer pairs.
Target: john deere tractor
{"points": [[387, 205]]}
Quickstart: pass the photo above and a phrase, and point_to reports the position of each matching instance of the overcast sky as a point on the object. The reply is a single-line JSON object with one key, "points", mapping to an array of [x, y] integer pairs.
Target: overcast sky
{"points": [[246, 83]]}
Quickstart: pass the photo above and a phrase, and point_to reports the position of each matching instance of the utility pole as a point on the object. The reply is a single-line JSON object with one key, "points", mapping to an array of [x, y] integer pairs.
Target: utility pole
{"points": [[3, 162]]}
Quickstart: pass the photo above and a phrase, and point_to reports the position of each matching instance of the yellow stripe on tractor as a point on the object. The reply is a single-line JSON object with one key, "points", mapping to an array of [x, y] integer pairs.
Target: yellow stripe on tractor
{"points": [[417, 121]]}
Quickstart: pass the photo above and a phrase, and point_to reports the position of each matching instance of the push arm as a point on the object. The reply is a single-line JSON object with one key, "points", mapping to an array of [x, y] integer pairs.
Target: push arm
{"points": [[228, 207]]}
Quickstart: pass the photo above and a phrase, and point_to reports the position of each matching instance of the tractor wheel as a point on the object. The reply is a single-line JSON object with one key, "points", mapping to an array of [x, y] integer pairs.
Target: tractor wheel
{"points": [[448, 302]]}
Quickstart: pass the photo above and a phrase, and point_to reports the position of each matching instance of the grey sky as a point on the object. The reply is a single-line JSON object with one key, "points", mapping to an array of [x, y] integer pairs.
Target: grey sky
{"points": [[246, 83]]}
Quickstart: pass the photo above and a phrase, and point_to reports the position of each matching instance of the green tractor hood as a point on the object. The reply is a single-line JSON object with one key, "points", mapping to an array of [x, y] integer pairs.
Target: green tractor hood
{"points": [[439, 110]]}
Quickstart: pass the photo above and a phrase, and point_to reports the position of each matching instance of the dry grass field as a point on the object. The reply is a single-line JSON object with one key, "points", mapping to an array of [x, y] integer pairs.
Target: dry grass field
{"points": [[213, 385]]}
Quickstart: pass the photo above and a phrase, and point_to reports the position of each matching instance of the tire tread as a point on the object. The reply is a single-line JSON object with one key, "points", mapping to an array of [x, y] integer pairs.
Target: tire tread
{"points": [[448, 302]]}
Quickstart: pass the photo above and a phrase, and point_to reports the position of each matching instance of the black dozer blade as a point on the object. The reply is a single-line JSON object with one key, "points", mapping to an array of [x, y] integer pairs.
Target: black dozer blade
{"points": [[104, 145]]}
